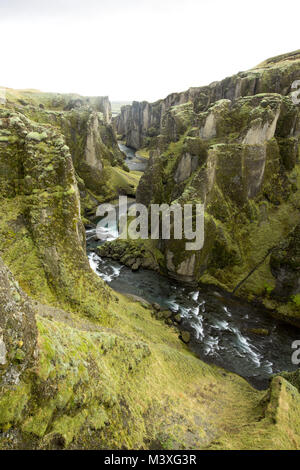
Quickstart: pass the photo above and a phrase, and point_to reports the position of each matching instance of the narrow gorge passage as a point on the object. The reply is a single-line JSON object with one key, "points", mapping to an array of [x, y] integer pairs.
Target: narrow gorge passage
{"points": [[221, 326]]}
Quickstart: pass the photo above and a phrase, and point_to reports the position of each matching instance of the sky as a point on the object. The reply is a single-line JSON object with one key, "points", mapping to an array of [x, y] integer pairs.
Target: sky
{"points": [[138, 49]]}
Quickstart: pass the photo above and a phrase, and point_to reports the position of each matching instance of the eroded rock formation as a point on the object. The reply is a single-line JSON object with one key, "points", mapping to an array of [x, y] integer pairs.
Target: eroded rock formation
{"points": [[232, 146], [141, 121]]}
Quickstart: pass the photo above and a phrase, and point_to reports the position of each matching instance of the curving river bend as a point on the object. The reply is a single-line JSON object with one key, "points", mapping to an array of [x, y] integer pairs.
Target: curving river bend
{"points": [[219, 323]]}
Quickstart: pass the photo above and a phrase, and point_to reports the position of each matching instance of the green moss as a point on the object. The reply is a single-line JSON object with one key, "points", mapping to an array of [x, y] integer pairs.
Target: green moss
{"points": [[278, 426], [12, 403], [123, 182], [36, 136], [293, 378], [288, 152], [268, 288], [296, 299]]}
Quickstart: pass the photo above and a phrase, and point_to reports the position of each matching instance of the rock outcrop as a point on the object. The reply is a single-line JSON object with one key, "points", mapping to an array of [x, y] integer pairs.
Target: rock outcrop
{"points": [[85, 123], [234, 147], [42, 235], [68, 383], [141, 122]]}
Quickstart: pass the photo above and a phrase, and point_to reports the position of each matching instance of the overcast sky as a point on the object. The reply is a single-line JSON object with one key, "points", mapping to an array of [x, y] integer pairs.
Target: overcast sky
{"points": [[138, 49]]}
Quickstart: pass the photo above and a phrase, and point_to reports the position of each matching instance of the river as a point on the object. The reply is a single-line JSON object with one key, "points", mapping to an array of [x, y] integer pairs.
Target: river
{"points": [[133, 160], [220, 324]]}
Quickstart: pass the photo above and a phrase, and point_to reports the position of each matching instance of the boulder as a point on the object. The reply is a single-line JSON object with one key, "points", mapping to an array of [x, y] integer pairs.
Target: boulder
{"points": [[156, 307], [185, 336], [166, 314], [177, 318]]}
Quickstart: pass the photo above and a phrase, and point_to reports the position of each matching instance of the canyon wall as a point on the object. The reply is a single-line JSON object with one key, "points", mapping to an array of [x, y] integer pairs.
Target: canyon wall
{"points": [[85, 124], [140, 122], [233, 146]]}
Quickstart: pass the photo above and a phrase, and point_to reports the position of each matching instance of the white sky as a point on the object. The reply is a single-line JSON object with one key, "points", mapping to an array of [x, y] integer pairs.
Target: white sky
{"points": [[138, 49]]}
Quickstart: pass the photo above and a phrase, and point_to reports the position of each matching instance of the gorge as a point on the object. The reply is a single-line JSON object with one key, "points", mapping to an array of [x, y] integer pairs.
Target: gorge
{"points": [[232, 146], [95, 361], [224, 330]]}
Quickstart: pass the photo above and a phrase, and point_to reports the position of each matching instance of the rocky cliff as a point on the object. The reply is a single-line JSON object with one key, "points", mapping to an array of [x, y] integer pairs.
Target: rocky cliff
{"points": [[42, 235], [141, 122], [233, 146], [85, 124]]}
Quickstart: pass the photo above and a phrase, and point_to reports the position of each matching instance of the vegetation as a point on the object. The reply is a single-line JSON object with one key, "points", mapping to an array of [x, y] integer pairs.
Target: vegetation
{"points": [[84, 367]]}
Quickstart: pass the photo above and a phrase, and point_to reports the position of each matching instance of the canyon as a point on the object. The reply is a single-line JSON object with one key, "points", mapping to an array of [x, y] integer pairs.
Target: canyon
{"points": [[232, 146], [85, 366]]}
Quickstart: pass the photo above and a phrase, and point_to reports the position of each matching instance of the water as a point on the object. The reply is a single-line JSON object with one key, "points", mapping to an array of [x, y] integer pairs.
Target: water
{"points": [[133, 160], [219, 323]]}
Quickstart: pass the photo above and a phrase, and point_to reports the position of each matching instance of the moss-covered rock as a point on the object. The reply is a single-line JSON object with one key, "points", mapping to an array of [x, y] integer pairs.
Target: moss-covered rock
{"points": [[42, 236], [239, 157], [85, 123]]}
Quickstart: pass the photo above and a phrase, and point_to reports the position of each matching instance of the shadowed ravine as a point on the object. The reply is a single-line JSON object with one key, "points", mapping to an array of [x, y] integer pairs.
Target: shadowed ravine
{"points": [[220, 324]]}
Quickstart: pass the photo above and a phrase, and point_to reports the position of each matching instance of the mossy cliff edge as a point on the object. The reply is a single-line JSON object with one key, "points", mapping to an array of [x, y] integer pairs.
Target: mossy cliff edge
{"points": [[233, 146], [85, 123], [82, 367]]}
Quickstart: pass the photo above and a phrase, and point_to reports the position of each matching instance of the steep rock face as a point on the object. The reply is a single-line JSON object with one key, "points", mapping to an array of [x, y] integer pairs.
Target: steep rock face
{"points": [[54, 380], [42, 235], [240, 158], [285, 266], [18, 332], [141, 121], [85, 123]]}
